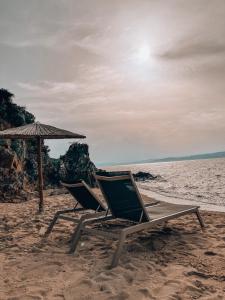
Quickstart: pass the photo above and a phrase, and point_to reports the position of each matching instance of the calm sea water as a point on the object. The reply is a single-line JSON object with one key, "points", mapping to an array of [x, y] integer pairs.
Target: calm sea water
{"points": [[202, 181]]}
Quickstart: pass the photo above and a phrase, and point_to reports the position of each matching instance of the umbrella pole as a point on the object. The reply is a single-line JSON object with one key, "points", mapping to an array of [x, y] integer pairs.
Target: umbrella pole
{"points": [[40, 175]]}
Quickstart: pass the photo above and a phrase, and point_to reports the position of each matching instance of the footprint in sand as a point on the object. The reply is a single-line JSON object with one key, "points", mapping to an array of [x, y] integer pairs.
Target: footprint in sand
{"points": [[146, 293], [130, 266], [58, 297], [220, 226], [105, 287], [49, 268], [26, 297], [80, 289], [198, 289], [86, 282], [168, 290], [103, 277], [210, 253], [120, 296], [129, 276]]}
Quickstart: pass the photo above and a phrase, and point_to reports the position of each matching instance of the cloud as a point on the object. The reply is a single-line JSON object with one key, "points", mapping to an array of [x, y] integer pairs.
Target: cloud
{"points": [[67, 37], [49, 88], [189, 49], [74, 65]]}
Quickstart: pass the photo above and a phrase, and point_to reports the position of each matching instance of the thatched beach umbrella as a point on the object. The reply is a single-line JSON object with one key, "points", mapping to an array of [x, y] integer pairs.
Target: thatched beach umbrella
{"points": [[39, 132]]}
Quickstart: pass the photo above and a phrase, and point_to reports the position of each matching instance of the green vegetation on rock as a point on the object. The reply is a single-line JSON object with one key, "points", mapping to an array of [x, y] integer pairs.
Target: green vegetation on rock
{"points": [[18, 158]]}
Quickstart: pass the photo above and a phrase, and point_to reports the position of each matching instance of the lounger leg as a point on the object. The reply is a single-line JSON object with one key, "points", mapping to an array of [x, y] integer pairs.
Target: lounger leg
{"points": [[81, 227], [76, 237], [51, 225], [58, 213], [119, 249], [200, 219]]}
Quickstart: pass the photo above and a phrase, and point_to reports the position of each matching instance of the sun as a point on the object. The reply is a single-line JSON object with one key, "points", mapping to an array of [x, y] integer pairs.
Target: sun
{"points": [[143, 54]]}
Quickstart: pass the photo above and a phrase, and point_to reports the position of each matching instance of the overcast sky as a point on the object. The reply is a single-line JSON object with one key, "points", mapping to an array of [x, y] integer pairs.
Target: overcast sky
{"points": [[140, 79]]}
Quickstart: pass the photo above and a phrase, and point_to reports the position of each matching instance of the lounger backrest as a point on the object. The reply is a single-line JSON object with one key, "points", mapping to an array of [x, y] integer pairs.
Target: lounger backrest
{"points": [[84, 195], [122, 195]]}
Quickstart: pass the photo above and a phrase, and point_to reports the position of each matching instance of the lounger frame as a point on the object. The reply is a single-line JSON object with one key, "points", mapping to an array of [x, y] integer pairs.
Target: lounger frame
{"points": [[62, 214], [133, 228]]}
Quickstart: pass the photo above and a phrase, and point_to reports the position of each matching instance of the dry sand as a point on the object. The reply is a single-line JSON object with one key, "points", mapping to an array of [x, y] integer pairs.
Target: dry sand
{"points": [[179, 262]]}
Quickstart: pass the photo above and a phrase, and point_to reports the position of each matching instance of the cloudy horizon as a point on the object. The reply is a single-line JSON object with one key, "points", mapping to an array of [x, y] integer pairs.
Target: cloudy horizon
{"points": [[141, 79]]}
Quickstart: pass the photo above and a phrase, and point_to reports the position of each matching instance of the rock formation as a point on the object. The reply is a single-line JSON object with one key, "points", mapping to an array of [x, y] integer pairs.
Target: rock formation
{"points": [[76, 164], [143, 176], [14, 181], [18, 159]]}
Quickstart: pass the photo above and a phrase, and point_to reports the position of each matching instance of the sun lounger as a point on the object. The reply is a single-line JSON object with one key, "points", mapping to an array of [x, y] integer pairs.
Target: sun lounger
{"points": [[125, 202], [86, 199]]}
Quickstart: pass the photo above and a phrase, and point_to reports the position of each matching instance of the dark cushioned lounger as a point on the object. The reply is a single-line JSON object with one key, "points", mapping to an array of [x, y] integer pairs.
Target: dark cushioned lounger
{"points": [[125, 202], [86, 199]]}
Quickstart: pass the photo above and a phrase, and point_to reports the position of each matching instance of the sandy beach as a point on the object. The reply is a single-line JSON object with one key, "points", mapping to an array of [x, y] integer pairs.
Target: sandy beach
{"points": [[177, 262], [90, 89]]}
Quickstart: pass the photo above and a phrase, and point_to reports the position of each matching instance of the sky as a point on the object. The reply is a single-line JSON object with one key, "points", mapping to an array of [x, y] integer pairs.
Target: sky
{"points": [[140, 78]]}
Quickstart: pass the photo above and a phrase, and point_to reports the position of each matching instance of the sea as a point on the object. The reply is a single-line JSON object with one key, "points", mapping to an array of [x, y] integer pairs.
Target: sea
{"points": [[197, 182]]}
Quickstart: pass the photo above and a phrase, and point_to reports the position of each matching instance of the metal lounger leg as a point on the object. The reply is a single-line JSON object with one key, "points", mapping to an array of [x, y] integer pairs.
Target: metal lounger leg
{"points": [[76, 236], [78, 230], [51, 225], [119, 249], [57, 215], [200, 219]]}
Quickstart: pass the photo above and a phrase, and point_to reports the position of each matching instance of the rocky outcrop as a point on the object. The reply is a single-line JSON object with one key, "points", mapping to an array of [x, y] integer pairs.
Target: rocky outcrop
{"points": [[11, 114], [9, 159], [13, 180], [143, 176], [76, 164], [18, 159]]}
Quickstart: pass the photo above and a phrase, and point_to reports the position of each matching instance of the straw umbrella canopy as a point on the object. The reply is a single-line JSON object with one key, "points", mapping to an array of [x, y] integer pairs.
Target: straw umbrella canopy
{"points": [[39, 132]]}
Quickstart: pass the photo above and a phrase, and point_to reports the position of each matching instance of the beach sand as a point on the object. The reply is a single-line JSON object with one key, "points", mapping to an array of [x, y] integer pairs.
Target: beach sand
{"points": [[177, 262]]}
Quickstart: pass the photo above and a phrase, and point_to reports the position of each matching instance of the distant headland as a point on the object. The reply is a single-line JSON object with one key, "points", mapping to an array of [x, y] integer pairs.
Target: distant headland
{"points": [[220, 154]]}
